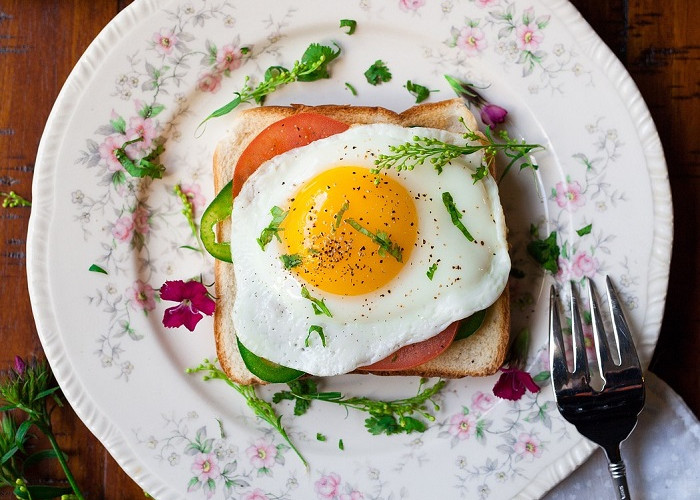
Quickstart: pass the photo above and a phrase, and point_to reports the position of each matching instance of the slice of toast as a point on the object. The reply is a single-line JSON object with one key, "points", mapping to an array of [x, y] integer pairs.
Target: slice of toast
{"points": [[480, 354]]}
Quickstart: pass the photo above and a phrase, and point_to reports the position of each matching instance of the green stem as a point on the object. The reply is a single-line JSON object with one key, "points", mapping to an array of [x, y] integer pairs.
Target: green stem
{"points": [[62, 460]]}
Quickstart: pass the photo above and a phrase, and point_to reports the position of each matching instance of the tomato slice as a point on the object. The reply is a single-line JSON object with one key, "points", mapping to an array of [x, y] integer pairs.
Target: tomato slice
{"points": [[289, 133], [416, 354]]}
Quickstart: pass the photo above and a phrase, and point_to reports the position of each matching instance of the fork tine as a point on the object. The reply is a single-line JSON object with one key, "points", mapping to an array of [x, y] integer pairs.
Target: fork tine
{"points": [[580, 371], [602, 348], [557, 356], [625, 346]]}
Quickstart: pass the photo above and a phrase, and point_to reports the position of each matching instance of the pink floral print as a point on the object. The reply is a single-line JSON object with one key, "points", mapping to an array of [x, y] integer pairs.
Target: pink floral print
{"points": [[407, 5], [209, 82], [228, 58], [471, 40], [123, 228], [107, 152], [482, 401], [205, 467], [262, 454], [164, 41], [140, 218], [569, 195], [353, 495], [194, 194], [528, 447], [462, 426], [144, 128], [485, 3], [142, 296], [256, 494], [327, 486]]}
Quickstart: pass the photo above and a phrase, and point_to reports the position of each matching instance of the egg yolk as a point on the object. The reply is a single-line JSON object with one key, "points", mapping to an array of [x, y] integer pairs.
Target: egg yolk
{"points": [[347, 235]]}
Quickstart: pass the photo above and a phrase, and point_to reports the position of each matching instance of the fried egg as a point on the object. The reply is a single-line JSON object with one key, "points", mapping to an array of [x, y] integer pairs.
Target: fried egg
{"points": [[354, 268]]}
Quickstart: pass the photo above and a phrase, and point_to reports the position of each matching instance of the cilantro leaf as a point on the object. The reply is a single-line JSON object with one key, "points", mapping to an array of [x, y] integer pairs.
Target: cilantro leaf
{"points": [[291, 260], [144, 167], [273, 228], [431, 270], [546, 252], [378, 73], [420, 92], [350, 24], [455, 214], [584, 230], [383, 424], [319, 306], [317, 329], [314, 53], [380, 238]]}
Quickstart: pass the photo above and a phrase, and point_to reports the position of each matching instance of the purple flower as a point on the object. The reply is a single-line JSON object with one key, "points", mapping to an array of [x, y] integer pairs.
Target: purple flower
{"points": [[512, 384], [492, 114], [20, 366], [193, 300]]}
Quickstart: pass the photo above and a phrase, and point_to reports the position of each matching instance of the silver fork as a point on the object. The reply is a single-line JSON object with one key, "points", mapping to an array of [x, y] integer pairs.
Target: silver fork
{"points": [[606, 416]]}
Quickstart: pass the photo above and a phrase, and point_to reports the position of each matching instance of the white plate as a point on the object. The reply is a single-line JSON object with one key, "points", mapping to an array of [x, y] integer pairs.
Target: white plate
{"points": [[124, 373]]}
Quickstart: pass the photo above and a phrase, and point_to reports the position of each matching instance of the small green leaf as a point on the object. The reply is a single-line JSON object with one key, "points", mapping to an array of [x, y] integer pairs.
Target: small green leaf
{"points": [[431, 270], [420, 92], [546, 252], [319, 306], [470, 325], [352, 89], [320, 437], [541, 377], [378, 73], [317, 329], [291, 260], [341, 445], [455, 215], [97, 269], [584, 230], [350, 24], [273, 229]]}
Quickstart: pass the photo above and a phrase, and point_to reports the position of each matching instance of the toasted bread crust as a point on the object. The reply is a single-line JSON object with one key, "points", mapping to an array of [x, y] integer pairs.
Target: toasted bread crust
{"points": [[479, 355]]}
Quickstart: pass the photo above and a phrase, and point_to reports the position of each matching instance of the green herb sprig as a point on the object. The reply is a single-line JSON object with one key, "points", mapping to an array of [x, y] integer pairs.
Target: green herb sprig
{"points": [[312, 66], [263, 409], [385, 417], [273, 229], [319, 305], [386, 246], [188, 212], [12, 200], [146, 166], [27, 388], [439, 153], [455, 214], [378, 73]]}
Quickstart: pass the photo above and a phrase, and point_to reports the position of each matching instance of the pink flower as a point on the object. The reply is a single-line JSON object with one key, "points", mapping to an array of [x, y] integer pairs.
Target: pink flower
{"points": [[528, 447], [353, 495], [482, 401], [512, 384], [228, 58], [583, 264], [107, 149], [256, 494], [528, 36], [144, 128], [463, 426], [569, 195], [193, 300], [209, 82], [164, 41], [492, 114], [20, 366], [194, 194], [471, 40], [262, 454], [140, 218], [406, 5], [564, 270], [485, 3], [142, 296], [327, 487], [205, 467], [123, 228]]}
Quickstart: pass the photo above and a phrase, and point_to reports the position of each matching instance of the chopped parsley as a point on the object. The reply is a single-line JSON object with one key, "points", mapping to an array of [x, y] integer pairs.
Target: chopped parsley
{"points": [[290, 260], [273, 228], [320, 437], [319, 306], [455, 214], [545, 252], [146, 166], [386, 246], [420, 92], [94, 268], [352, 89], [378, 73], [350, 24], [317, 329], [431, 270], [341, 446]]}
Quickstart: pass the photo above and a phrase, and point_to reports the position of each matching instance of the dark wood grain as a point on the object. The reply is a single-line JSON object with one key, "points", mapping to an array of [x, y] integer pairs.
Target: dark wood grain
{"points": [[41, 40]]}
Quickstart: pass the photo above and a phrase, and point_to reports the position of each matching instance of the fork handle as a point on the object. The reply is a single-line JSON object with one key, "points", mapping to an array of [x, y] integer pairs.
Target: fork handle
{"points": [[619, 478]]}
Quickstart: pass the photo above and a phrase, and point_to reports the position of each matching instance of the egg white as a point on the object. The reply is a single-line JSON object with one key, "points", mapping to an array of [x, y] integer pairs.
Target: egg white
{"points": [[272, 319]]}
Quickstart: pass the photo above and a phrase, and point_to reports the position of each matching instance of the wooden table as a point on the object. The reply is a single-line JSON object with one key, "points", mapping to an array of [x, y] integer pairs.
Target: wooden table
{"points": [[41, 40]]}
